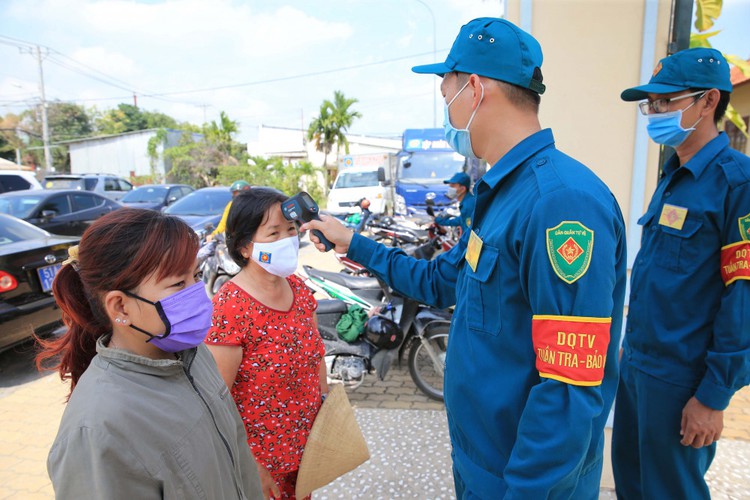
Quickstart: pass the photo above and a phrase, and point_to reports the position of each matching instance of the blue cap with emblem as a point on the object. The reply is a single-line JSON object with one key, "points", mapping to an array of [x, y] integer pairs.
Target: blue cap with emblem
{"points": [[697, 68], [494, 48], [459, 178]]}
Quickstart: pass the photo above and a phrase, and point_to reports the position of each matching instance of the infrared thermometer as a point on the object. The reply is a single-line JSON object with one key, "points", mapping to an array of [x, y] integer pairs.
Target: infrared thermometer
{"points": [[302, 208]]}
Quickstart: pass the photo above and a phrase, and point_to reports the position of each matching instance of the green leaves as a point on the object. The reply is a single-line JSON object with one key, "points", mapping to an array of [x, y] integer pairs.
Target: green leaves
{"points": [[701, 39], [740, 63], [706, 12], [330, 127], [733, 116]]}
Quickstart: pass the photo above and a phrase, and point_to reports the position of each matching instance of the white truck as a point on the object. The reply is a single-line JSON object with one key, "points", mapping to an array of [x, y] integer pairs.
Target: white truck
{"points": [[363, 176]]}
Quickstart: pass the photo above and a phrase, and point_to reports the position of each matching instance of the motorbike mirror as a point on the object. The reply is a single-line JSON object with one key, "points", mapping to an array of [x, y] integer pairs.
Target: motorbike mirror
{"points": [[430, 211], [381, 174]]}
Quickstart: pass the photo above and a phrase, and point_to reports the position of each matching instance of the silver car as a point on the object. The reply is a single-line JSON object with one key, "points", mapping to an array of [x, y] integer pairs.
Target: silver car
{"points": [[107, 185]]}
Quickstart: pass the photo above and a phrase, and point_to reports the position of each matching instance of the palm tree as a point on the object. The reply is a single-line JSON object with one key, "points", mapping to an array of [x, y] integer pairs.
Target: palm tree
{"points": [[330, 126], [321, 130]]}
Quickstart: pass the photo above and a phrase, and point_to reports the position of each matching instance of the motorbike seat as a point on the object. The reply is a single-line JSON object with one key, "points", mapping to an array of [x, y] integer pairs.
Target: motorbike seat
{"points": [[331, 306], [347, 280]]}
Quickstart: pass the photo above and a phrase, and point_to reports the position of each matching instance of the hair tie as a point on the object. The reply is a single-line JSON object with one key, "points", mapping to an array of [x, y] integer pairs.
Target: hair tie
{"points": [[72, 257]]}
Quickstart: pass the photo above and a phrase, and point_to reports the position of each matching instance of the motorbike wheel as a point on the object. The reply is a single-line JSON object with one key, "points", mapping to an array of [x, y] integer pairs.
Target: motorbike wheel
{"points": [[427, 376]]}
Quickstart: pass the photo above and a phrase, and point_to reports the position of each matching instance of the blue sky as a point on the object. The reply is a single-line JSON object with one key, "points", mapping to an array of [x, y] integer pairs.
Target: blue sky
{"points": [[171, 46]]}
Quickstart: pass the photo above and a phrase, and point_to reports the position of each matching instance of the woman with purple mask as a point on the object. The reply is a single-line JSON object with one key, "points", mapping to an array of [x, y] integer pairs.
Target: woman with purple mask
{"points": [[148, 415]]}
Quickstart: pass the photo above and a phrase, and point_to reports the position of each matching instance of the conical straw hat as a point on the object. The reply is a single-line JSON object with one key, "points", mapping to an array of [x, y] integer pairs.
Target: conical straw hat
{"points": [[335, 445]]}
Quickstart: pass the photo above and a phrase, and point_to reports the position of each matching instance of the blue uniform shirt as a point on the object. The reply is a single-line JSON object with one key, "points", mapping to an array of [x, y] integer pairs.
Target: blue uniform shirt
{"points": [[687, 323], [530, 371], [466, 208]]}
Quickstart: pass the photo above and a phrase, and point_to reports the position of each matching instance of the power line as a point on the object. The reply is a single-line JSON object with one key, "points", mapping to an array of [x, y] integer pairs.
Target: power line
{"points": [[293, 77]]}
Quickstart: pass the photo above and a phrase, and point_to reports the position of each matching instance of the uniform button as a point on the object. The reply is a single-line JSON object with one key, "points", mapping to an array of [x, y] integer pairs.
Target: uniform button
{"points": [[667, 194], [541, 162], [633, 297]]}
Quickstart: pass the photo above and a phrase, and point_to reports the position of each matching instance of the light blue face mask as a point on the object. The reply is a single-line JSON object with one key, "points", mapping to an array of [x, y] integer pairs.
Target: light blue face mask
{"points": [[459, 139], [666, 128]]}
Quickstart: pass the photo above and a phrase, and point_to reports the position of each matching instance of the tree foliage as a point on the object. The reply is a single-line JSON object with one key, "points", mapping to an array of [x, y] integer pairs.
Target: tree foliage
{"points": [[129, 118], [706, 13], [288, 178], [329, 128]]}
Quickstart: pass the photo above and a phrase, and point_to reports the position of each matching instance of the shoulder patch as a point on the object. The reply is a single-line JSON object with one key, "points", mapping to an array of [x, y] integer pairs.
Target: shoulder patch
{"points": [[744, 223], [569, 247]]}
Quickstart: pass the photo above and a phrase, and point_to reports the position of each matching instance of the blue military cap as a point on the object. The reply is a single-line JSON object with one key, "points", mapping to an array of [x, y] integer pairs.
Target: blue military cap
{"points": [[697, 68], [494, 48], [459, 178]]}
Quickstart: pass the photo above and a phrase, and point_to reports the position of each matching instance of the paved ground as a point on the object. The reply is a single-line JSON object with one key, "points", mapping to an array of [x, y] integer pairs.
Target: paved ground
{"points": [[406, 433]]}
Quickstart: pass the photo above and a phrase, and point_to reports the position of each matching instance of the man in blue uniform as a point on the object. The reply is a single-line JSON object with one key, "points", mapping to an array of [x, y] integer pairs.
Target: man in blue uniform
{"points": [[538, 283], [687, 342], [459, 187]]}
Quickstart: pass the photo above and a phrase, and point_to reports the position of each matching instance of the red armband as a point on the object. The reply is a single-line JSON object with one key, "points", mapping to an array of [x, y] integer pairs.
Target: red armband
{"points": [[735, 262], [571, 349]]}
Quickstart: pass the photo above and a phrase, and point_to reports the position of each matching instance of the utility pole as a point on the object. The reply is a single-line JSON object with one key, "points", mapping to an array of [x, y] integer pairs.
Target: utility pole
{"points": [[45, 126], [679, 39]]}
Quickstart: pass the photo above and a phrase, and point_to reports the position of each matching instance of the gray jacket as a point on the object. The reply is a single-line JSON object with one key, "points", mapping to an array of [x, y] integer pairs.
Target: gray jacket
{"points": [[141, 428]]}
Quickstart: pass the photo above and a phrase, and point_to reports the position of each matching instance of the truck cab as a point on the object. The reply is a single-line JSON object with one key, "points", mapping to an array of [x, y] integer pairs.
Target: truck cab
{"points": [[424, 162], [362, 176]]}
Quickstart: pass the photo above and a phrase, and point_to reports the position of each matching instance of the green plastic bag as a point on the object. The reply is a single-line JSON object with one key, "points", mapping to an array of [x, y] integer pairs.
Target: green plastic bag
{"points": [[352, 323]]}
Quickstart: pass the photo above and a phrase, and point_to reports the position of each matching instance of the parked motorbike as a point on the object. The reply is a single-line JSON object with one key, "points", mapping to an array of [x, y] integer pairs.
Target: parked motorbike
{"points": [[442, 236], [402, 325], [217, 267]]}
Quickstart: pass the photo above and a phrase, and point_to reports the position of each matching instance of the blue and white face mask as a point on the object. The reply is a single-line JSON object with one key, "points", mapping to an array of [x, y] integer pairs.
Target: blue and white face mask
{"points": [[277, 257], [460, 139], [666, 128]]}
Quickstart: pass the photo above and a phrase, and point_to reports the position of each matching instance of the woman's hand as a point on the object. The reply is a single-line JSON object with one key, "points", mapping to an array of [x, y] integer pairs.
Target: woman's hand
{"points": [[267, 484]]}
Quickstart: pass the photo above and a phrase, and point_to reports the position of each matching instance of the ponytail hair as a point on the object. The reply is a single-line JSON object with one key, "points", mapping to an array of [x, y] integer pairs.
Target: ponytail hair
{"points": [[118, 252]]}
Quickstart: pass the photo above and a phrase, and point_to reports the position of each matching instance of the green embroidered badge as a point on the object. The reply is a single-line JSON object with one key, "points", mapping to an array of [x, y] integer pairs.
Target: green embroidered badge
{"points": [[745, 227], [569, 247]]}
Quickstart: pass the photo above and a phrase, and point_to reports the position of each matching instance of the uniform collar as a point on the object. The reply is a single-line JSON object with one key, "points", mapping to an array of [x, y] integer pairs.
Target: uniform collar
{"points": [[466, 198], [515, 157], [129, 361], [698, 163]]}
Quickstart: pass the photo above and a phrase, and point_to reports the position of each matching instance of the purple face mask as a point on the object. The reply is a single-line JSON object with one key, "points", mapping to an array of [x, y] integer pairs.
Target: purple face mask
{"points": [[186, 315]]}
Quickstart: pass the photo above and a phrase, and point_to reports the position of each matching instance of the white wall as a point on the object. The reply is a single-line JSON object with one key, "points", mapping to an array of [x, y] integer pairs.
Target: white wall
{"points": [[123, 155]]}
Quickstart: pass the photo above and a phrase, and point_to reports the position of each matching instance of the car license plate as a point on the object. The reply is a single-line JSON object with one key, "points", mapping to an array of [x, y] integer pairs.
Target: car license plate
{"points": [[47, 275]]}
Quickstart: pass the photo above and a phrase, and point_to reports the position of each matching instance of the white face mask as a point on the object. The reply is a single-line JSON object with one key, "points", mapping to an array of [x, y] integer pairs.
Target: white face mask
{"points": [[277, 257]]}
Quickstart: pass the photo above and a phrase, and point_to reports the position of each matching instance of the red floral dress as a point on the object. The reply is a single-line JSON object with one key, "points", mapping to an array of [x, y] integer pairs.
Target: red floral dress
{"points": [[277, 389]]}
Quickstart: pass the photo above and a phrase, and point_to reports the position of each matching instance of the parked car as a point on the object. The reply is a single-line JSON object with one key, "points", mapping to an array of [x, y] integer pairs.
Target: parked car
{"points": [[155, 196], [29, 261], [108, 185], [201, 208], [65, 212], [17, 180]]}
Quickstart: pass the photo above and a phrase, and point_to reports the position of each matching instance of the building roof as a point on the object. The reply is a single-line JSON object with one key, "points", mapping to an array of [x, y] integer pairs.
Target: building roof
{"points": [[737, 77]]}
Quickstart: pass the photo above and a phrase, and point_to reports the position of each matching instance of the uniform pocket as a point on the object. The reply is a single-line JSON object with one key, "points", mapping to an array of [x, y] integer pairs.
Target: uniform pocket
{"points": [[483, 293], [674, 246]]}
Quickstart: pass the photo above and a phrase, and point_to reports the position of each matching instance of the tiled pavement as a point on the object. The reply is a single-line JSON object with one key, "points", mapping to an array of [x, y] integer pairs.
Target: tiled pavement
{"points": [[405, 430]]}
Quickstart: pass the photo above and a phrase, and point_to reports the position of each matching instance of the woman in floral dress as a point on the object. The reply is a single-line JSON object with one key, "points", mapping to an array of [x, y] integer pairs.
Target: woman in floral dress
{"points": [[265, 339]]}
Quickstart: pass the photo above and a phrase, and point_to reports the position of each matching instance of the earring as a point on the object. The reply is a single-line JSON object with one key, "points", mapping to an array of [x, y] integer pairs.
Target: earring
{"points": [[118, 320]]}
